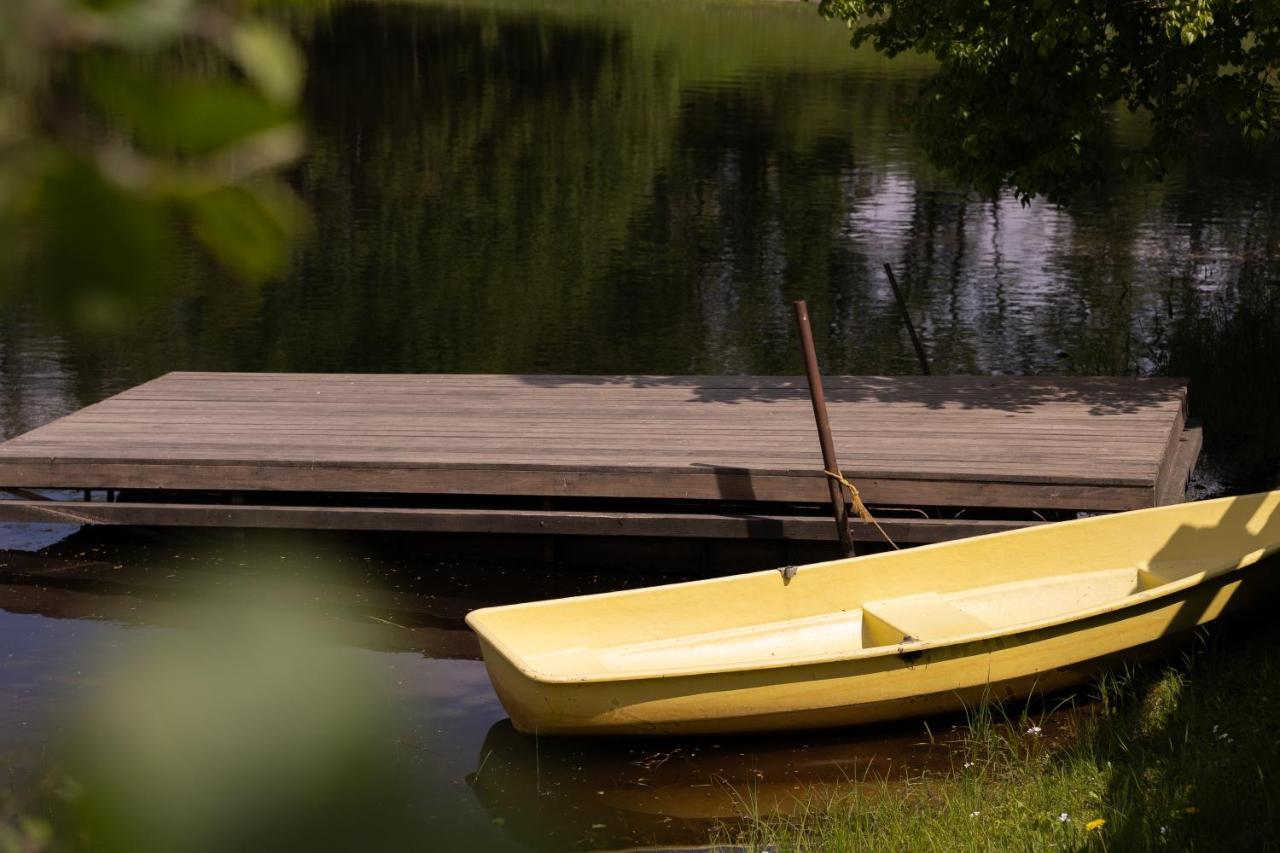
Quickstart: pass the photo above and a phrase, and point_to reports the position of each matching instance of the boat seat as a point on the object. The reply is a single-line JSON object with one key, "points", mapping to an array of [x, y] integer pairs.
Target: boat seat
{"points": [[916, 617]]}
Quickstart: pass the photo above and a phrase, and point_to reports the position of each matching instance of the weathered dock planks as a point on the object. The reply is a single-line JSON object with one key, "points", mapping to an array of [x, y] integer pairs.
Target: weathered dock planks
{"points": [[692, 525], [1047, 443]]}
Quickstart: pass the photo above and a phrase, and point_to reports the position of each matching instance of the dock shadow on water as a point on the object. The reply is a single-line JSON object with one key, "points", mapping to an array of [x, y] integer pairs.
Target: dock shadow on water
{"points": [[324, 693]]}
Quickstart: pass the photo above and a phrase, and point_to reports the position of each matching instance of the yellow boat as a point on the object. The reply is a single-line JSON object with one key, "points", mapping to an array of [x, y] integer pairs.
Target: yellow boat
{"points": [[889, 635]]}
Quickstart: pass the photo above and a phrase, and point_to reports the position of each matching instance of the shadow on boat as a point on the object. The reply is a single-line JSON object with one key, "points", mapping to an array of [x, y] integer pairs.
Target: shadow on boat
{"points": [[1250, 526]]}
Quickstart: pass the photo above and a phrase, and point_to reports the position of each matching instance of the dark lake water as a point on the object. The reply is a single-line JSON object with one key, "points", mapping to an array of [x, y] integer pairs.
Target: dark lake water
{"points": [[448, 763], [630, 187]]}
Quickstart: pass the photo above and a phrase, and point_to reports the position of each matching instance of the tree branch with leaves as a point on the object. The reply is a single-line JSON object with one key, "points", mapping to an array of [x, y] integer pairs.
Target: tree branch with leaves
{"points": [[1025, 89]]}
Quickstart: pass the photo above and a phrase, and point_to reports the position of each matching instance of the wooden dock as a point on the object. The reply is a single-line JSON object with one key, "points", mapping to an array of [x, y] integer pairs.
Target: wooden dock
{"points": [[718, 457]]}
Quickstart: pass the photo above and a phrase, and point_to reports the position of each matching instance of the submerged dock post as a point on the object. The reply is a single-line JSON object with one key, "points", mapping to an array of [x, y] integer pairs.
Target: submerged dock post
{"points": [[898, 297], [838, 509]]}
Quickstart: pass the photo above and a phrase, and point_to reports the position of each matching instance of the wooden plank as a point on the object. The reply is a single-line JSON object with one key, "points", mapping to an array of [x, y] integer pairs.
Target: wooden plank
{"points": [[996, 395], [579, 407], [1100, 388], [1065, 467], [436, 520], [1173, 486], [1074, 463], [856, 419], [257, 420], [877, 444], [1150, 445], [1173, 440], [1124, 400], [712, 484]]}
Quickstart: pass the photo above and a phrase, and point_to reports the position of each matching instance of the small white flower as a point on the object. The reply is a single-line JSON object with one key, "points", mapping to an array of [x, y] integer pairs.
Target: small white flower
{"points": [[968, 764], [974, 813], [1063, 818], [1034, 730], [1164, 830]]}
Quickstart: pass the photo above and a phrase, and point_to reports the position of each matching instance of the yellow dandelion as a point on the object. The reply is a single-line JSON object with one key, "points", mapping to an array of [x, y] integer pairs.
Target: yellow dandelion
{"points": [[1096, 823], [1191, 810]]}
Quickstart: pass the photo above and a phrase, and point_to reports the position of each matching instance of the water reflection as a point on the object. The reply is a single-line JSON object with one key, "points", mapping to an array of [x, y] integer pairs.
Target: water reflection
{"points": [[465, 776], [470, 779], [130, 587], [87, 616], [610, 189], [559, 794]]}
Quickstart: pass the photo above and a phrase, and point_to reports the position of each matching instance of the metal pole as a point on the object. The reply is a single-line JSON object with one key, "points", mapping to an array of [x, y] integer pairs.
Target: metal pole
{"points": [[906, 318], [838, 509]]}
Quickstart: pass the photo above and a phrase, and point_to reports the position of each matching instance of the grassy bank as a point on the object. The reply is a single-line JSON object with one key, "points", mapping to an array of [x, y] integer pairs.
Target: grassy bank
{"points": [[1183, 755]]}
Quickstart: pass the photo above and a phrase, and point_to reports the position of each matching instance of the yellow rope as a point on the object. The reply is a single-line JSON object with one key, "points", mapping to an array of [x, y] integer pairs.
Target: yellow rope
{"points": [[858, 506]]}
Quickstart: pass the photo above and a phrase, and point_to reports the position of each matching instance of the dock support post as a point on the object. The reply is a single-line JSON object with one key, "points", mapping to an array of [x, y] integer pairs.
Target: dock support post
{"points": [[838, 509]]}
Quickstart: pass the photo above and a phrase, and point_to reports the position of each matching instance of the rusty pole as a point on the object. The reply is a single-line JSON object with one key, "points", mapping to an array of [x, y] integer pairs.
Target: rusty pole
{"points": [[838, 509]]}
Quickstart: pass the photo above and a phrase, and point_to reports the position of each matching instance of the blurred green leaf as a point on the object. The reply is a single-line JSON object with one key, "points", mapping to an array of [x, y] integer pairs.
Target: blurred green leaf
{"points": [[243, 230], [104, 251], [111, 5], [252, 733], [13, 121], [26, 835], [270, 59], [131, 130], [141, 23], [184, 116]]}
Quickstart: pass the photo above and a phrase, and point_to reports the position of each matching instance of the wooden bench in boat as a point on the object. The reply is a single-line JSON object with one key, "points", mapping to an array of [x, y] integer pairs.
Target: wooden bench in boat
{"points": [[927, 616]]}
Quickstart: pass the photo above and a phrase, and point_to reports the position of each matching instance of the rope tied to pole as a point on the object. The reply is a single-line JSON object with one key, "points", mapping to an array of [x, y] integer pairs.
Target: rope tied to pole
{"points": [[858, 506]]}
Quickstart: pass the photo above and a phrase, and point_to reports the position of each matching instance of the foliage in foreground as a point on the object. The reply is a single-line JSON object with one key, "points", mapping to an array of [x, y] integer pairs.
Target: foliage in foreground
{"points": [[1173, 757], [250, 729], [1024, 90], [132, 131]]}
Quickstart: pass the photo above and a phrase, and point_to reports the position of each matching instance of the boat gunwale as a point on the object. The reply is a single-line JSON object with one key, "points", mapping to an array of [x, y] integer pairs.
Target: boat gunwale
{"points": [[1169, 589]]}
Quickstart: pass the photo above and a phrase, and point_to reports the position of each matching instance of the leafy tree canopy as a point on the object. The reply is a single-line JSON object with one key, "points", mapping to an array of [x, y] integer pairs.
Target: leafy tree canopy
{"points": [[1025, 89]]}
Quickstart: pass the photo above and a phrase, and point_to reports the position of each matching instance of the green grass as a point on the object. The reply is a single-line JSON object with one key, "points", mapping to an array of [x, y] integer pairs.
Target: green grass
{"points": [[1183, 755]]}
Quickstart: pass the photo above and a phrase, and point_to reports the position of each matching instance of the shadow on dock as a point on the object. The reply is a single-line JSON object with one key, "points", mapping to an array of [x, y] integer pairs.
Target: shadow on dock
{"points": [[1014, 394]]}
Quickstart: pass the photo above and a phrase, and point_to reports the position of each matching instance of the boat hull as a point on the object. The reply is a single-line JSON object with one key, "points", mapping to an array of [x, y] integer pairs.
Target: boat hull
{"points": [[903, 634], [859, 691]]}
